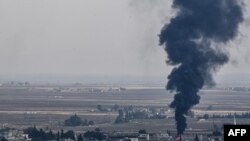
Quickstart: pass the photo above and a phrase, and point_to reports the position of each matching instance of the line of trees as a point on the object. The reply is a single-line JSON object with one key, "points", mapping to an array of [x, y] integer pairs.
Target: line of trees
{"points": [[3, 139], [41, 135], [95, 135]]}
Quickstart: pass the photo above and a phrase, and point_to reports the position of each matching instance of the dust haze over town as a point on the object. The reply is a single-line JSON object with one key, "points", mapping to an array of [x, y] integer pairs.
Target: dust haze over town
{"points": [[94, 70]]}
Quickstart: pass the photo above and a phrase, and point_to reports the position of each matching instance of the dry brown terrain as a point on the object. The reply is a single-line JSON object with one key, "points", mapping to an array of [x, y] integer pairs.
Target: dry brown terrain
{"points": [[22, 107]]}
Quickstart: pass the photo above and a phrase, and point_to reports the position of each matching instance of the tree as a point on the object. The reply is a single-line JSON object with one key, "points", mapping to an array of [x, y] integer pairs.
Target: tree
{"points": [[210, 107], [80, 138], [91, 122], [69, 135], [120, 118], [3, 139], [96, 135], [85, 123], [116, 107], [216, 139], [99, 107], [97, 129], [142, 131], [39, 135], [50, 135], [206, 116], [58, 136], [73, 121], [196, 138], [62, 134]]}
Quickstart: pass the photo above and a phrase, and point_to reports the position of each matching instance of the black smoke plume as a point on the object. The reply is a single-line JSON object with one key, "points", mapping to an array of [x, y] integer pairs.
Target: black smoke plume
{"points": [[193, 41]]}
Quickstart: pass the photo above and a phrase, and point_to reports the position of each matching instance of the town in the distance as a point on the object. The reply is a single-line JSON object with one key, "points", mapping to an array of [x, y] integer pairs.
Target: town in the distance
{"points": [[114, 112]]}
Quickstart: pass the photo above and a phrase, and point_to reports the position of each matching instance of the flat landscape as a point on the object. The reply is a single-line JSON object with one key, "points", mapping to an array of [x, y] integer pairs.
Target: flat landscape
{"points": [[21, 107]]}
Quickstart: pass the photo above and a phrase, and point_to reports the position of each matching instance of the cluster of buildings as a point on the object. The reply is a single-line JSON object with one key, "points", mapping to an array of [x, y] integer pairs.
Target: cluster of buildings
{"points": [[14, 135], [15, 84], [86, 90], [238, 89], [164, 137], [140, 137], [18, 135]]}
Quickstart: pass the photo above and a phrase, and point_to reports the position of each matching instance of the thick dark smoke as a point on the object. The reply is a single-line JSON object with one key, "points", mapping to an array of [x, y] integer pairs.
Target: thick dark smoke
{"points": [[191, 41]]}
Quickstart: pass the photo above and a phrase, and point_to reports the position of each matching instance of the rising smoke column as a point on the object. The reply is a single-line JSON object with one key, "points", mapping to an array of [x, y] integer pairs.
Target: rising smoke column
{"points": [[193, 41]]}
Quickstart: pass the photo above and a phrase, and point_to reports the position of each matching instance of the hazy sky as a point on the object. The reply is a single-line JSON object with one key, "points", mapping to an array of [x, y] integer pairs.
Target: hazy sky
{"points": [[93, 37]]}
